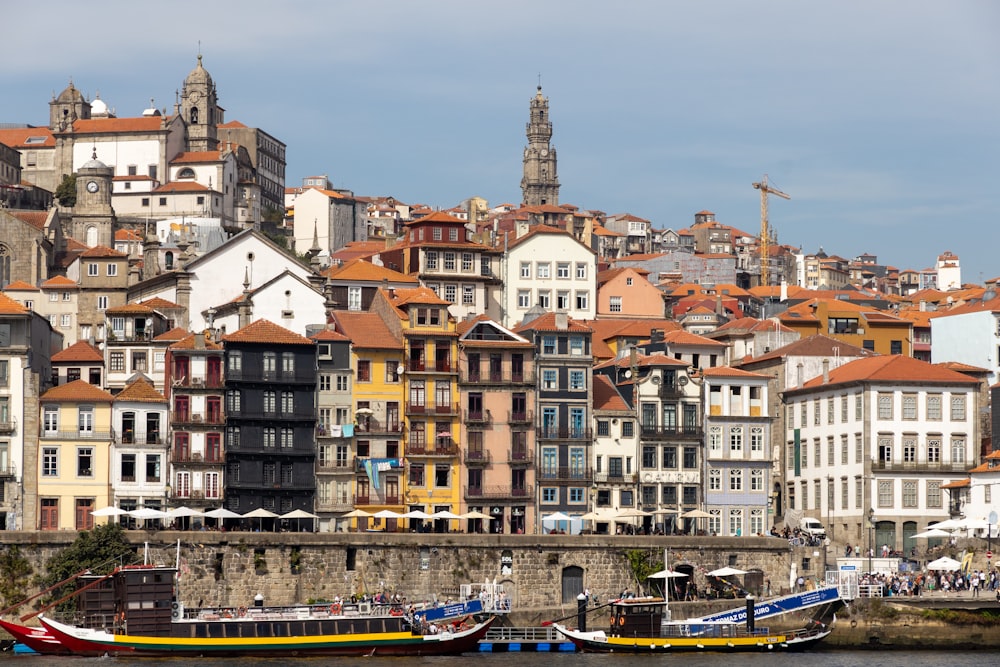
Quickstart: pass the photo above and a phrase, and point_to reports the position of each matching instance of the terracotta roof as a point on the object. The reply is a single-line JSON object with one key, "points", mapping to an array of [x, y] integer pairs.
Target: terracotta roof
{"points": [[359, 270], [118, 125], [196, 157], [157, 303], [79, 351], [817, 345], [127, 235], [20, 286], [366, 330], [76, 391], [891, 368], [265, 331], [681, 337], [957, 484], [175, 334], [62, 282], [99, 251], [547, 322], [130, 309], [329, 334], [17, 137], [729, 372], [36, 219], [187, 342], [10, 307], [418, 295], [140, 391], [606, 396], [356, 249], [644, 361], [962, 368], [233, 124], [182, 186]]}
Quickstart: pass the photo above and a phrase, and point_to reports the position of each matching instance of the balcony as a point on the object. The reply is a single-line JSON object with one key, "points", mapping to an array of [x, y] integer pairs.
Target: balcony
{"points": [[477, 457], [565, 474], [181, 382], [495, 378], [131, 437], [76, 434], [188, 420], [525, 417], [671, 390], [372, 425], [8, 426], [520, 456], [563, 433], [497, 493], [194, 458], [336, 505], [921, 466], [335, 467], [652, 431], [614, 478], [447, 449], [480, 417], [375, 500], [421, 366], [8, 473]]}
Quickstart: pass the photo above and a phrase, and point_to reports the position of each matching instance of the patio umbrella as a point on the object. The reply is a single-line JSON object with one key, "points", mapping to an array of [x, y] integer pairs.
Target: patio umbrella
{"points": [[445, 514], [147, 513], [297, 515], [974, 524], [260, 513], [387, 514], [630, 513], [477, 515], [181, 511], [416, 514], [222, 513], [944, 563], [666, 574], [725, 572], [933, 532], [696, 514], [109, 511], [557, 516], [357, 514], [947, 524]]}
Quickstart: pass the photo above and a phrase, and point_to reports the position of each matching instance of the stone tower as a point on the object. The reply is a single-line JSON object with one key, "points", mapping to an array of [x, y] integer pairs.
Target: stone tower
{"points": [[70, 106], [200, 110], [93, 218], [540, 184]]}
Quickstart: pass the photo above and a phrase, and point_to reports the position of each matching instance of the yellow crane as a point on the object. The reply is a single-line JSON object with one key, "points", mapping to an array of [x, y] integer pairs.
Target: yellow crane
{"points": [[765, 231]]}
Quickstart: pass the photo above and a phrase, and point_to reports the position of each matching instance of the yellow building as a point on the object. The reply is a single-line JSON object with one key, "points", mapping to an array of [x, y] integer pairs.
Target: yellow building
{"points": [[73, 458], [430, 347], [861, 326]]}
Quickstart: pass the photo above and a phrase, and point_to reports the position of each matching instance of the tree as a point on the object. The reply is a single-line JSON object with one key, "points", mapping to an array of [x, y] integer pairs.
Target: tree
{"points": [[15, 573], [66, 192], [99, 550], [641, 564]]}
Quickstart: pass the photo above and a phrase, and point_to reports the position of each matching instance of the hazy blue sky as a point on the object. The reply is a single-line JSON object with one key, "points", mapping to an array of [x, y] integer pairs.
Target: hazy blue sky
{"points": [[880, 119]]}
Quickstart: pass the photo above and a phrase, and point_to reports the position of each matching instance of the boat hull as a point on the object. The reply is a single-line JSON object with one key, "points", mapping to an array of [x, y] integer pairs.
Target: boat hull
{"points": [[599, 642], [38, 640], [81, 641]]}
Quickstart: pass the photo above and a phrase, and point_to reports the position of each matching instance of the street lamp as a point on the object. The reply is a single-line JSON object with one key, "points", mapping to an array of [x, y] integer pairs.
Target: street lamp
{"points": [[871, 537]]}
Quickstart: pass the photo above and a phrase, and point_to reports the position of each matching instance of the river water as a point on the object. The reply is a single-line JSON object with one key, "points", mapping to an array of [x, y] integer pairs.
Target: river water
{"points": [[818, 658]]}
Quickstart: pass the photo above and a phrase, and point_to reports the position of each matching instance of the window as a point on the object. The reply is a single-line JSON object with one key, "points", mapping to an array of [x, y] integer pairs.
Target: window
{"points": [[958, 450], [451, 293], [909, 493], [548, 345], [549, 495], [581, 271], [736, 441], [128, 467], [735, 480], [843, 451], [933, 493], [603, 429], [909, 449], [690, 458], [934, 407], [343, 383], [324, 382], [432, 261], [550, 378], [468, 295], [436, 233], [736, 521], [756, 441], [628, 428], [562, 300], [648, 456], [116, 362], [85, 462], [364, 370], [449, 261], [582, 300], [85, 421], [885, 406], [466, 262], [353, 298], [829, 410], [523, 298], [756, 479], [858, 407], [910, 407], [934, 449], [542, 270], [958, 407], [577, 381], [50, 462], [525, 269], [896, 347], [112, 270], [152, 467], [233, 401], [93, 269], [615, 304], [714, 479], [562, 270], [817, 419], [843, 409], [453, 234], [628, 281], [830, 458], [885, 494], [544, 298]]}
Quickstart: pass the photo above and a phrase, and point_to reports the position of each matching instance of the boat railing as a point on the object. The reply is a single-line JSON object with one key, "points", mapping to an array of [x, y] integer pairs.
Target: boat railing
{"points": [[528, 634], [334, 609]]}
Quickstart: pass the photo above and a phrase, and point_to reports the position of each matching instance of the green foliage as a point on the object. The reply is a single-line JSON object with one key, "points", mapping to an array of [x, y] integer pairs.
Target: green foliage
{"points": [[100, 550], [15, 574], [273, 215], [641, 564], [66, 192]]}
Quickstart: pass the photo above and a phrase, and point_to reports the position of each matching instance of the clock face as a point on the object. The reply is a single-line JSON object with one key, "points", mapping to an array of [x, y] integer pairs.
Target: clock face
{"points": [[92, 186], [545, 152]]}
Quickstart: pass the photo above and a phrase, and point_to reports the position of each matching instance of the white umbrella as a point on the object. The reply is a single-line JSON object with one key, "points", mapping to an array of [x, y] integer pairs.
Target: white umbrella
{"points": [[148, 513], [356, 514], [260, 513], [944, 563], [557, 516], [416, 514], [725, 572], [947, 524], [696, 514], [933, 532], [387, 514], [630, 513], [477, 515], [974, 524], [445, 514], [666, 574], [222, 513], [298, 514], [182, 511], [109, 511]]}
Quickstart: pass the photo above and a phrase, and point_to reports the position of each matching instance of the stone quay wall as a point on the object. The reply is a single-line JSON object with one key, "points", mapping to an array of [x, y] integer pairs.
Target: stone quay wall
{"points": [[229, 569]]}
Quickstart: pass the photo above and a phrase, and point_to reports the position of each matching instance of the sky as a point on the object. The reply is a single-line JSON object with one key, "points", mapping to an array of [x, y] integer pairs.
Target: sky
{"points": [[879, 119]]}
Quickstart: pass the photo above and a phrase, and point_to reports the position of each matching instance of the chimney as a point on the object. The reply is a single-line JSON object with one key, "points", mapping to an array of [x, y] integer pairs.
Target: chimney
{"points": [[799, 374], [199, 341], [784, 291], [826, 371], [923, 306], [562, 321], [719, 310]]}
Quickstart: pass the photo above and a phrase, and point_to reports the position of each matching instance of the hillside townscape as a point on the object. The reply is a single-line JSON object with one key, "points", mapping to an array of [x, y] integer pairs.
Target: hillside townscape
{"points": [[182, 328]]}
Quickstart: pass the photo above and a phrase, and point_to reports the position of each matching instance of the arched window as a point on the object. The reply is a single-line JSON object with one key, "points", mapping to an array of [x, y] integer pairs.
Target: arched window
{"points": [[186, 172], [194, 115], [6, 259], [91, 236], [168, 260]]}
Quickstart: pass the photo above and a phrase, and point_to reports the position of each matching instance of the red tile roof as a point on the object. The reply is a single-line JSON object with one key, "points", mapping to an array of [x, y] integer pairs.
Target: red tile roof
{"points": [[36, 219], [547, 322], [79, 351], [140, 391], [156, 303], [361, 271], [62, 282], [606, 396], [891, 368], [265, 331], [187, 342], [10, 307], [175, 334], [329, 334], [728, 372], [99, 251], [20, 286], [366, 330], [77, 391], [119, 125]]}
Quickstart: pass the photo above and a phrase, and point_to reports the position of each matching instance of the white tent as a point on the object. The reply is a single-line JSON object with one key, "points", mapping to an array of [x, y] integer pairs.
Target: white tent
{"points": [[944, 563], [222, 513], [666, 574], [109, 511], [726, 572]]}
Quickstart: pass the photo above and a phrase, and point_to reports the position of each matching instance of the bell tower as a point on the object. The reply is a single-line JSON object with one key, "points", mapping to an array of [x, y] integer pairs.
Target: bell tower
{"points": [[93, 217], [540, 184], [200, 110]]}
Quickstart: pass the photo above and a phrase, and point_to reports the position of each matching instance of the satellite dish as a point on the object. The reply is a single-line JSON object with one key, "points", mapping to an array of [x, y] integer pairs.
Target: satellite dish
{"points": [[655, 379], [628, 374], [400, 369], [682, 380]]}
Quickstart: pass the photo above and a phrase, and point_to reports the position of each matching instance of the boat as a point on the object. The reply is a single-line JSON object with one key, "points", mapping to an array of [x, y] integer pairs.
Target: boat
{"points": [[39, 640], [643, 625]]}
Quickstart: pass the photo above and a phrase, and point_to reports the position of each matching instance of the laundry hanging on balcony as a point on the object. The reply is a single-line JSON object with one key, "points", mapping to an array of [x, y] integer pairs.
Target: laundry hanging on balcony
{"points": [[374, 466]]}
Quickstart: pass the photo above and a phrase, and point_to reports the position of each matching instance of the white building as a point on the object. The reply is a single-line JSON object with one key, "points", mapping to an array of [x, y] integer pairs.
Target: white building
{"points": [[548, 268], [871, 443], [970, 334]]}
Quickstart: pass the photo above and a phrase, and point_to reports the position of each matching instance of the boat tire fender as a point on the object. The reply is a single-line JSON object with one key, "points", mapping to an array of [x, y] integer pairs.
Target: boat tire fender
{"points": [[335, 608]]}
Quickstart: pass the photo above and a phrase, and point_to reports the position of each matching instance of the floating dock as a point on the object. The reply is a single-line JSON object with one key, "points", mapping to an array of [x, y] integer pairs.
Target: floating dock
{"points": [[525, 640]]}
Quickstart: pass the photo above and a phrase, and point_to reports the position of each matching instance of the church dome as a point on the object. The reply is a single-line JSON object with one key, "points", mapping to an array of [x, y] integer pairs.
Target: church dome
{"points": [[99, 108], [94, 163], [199, 76], [70, 95]]}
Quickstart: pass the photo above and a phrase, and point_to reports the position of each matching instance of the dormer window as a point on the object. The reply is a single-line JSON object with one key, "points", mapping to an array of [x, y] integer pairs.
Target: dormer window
{"points": [[186, 172]]}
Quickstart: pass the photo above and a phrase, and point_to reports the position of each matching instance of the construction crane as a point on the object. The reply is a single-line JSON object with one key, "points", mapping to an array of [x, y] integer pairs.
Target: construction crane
{"points": [[765, 231]]}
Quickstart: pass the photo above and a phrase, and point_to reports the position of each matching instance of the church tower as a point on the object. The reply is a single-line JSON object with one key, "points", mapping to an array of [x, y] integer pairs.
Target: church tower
{"points": [[540, 184], [93, 218], [200, 110], [70, 106]]}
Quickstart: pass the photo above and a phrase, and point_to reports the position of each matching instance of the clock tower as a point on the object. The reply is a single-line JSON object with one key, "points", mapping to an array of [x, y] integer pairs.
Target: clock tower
{"points": [[200, 110], [93, 217], [540, 184]]}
